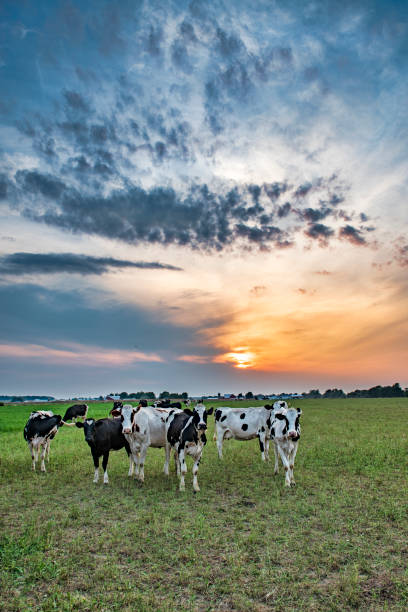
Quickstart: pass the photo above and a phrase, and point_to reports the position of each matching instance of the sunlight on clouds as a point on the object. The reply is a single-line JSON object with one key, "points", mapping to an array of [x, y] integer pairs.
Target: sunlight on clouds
{"points": [[240, 357]]}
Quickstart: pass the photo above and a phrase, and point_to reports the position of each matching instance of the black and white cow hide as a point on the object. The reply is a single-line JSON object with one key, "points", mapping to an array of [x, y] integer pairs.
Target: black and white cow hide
{"points": [[186, 435]]}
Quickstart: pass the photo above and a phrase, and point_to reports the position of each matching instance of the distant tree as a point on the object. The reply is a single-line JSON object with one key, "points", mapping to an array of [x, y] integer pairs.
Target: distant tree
{"points": [[240, 396], [334, 394], [164, 394], [123, 395], [313, 394], [249, 395], [184, 395]]}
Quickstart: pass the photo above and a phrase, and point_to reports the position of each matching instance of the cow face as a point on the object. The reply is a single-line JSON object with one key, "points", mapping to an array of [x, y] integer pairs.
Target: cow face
{"points": [[293, 424], [89, 429], [200, 416], [127, 414]]}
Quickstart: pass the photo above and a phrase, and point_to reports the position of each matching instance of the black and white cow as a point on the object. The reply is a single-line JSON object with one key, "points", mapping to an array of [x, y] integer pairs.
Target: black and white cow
{"points": [[116, 405], [103, 436], [186, 434], [130, 419], [134, 423], [285, 432], [75, 411], [244, 424], [41, 427]]}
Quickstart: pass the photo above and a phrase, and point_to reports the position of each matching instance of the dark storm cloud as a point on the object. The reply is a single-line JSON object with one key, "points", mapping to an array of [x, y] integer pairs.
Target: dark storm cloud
{"points": [[201, 218], [3, 186], [275, 190], [33, 314], [75, 101], [34, 182], [314, 215], [18, 264], [353, 235], [284, 210], [319, 232]]}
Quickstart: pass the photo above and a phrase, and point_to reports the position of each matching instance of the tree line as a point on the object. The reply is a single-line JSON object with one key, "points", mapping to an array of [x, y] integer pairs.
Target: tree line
{"points": [[377, 391]]}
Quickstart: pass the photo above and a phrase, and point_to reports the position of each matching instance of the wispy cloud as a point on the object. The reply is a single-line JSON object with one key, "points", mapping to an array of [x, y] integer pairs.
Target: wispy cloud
{"points": [[19, 264], [89, 356]]}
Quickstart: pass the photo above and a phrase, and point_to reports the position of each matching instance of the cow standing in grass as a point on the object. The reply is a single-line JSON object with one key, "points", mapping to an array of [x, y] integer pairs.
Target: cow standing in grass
{"points": [[141, 435], [41, 427], [285, 432], [186, 434], [76, 411], [103, 436], [244, 424]]}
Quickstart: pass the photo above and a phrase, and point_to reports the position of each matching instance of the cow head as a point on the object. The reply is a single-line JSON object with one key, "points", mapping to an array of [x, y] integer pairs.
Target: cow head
{"points": [[89, 429], [291, 416], [199, 415], [126, 414]]}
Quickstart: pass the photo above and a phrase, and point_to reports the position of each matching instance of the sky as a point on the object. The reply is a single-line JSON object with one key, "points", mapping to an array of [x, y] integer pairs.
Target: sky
{"points": [[203, 197]]}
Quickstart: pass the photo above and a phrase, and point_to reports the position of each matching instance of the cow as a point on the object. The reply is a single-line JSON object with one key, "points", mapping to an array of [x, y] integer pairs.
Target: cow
{"points": [[165, 403], [244, 424], [41, 427], [75, 411], [103, 436], [116, 405], [285, 432], [134, 423], [157, 427], [186, 434]]}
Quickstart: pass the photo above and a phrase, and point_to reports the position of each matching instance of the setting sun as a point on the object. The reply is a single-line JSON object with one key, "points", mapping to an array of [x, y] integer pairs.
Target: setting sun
{"points": [[240, 358]]}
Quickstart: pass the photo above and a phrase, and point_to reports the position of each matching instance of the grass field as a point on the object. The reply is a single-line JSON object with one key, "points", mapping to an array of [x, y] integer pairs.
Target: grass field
{"points": [[337, 541]]}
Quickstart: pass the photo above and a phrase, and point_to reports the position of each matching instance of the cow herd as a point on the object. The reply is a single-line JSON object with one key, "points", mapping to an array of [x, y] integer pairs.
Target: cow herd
{"points": [[168, 426]]}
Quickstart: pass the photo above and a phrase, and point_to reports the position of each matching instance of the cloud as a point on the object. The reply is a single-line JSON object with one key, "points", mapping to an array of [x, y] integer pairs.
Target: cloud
{"points": [[198, 218], [76, 354], [320, 232], [200, 359], [352, 234], [18, 264]]}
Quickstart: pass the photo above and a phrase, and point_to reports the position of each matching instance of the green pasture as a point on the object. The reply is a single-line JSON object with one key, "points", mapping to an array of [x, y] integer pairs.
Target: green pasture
{"points": [[337, 541]]}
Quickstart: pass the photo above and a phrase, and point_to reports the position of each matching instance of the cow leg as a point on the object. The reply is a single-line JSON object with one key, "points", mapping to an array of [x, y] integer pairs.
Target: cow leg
{"points": [[261, 438], [220, 438], [267, 440], [135, 457], [195, 473], [96, 465], [43, 451], [183, 469], [33, 457], [285, 465], [292, 464], [48, 450], [275, 450], [167, 460], [177, 463], [105, 468], [131, 465], [142, 459]]}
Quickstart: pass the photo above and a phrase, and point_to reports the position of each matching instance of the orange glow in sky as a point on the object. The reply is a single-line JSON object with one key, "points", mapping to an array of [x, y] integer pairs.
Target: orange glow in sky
{"points": [[240, 357]]}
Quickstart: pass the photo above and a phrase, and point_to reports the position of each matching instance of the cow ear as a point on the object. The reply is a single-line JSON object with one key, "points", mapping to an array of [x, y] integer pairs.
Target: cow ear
{"points": [[79, 424], [210, 411], [279, 416], [196, 417], [188, 411], [115, 412]]}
